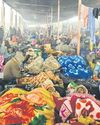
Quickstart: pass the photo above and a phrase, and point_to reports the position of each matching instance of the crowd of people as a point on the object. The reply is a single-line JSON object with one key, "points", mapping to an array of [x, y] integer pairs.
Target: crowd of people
{"points": [[45, 82]]}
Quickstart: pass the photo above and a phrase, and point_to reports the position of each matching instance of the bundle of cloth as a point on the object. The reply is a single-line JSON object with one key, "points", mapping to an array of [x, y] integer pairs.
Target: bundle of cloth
{"points": [[35, 66], [39, 65], [21, 107], [44, 79], [74, 67], [82, 108], [1, 63], [32, 63], [78, 107], [51, 64]]}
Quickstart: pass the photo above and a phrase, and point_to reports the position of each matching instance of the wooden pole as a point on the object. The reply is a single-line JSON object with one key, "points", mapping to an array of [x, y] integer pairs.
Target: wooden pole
{"points": [[58, 18], [79, 26]]}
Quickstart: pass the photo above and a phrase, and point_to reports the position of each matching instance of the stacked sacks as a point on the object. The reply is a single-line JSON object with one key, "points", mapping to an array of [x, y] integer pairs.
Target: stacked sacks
{"points": [[51, 64], [21, 107], [74, 67], [38, 65]]}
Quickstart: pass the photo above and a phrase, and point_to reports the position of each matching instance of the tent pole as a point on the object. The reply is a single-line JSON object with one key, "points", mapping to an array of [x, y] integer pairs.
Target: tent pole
{"points": [[51, 20], [47, 24], [79, 26], [3, 14], [58, 18], [11, 17]]}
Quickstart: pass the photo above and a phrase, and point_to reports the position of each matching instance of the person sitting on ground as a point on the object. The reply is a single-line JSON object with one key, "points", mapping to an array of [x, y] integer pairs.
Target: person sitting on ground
{"points": [[12, 67]]}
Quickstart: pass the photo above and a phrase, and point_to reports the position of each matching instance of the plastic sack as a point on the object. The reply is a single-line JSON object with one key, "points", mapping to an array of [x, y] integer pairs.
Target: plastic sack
{"points": [[35, 66], [51, 64]]}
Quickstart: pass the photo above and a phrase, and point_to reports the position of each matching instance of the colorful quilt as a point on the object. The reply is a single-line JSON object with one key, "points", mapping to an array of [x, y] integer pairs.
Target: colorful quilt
{"points": [[74, 67], [27, 108], [44, 79], [82, 107]]}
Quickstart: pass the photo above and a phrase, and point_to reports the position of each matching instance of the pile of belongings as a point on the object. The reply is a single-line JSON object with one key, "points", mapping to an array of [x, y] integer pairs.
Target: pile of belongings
{"points": [[38, 65], [53, 100], [41, 107], [44, 79], [78, 107], [75, 67]]}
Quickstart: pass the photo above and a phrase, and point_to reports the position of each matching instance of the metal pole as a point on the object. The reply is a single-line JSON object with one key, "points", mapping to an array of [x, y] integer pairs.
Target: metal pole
{"points": [[79, 26], [58, 18]]}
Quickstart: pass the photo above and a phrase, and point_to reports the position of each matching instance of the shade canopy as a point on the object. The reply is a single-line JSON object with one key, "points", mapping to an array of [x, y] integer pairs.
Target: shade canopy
{"points": [[39, 10]]}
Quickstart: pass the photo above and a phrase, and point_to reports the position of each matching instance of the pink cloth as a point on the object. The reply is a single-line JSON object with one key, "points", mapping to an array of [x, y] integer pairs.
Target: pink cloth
{"points": [[65, 110], [33, 42], [80, 104], [87, 107]]}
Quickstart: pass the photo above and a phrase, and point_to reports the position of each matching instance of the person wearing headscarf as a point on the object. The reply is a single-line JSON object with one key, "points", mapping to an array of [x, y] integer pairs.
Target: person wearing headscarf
{"points": [[81, 89]]}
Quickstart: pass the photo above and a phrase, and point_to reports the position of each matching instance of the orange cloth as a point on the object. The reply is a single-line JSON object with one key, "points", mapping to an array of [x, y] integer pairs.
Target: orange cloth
{"points": [[84, 15]]}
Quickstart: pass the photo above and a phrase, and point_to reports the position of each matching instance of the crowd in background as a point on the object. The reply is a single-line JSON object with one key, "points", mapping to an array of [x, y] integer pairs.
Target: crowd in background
{"points": [[36, 66]]}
